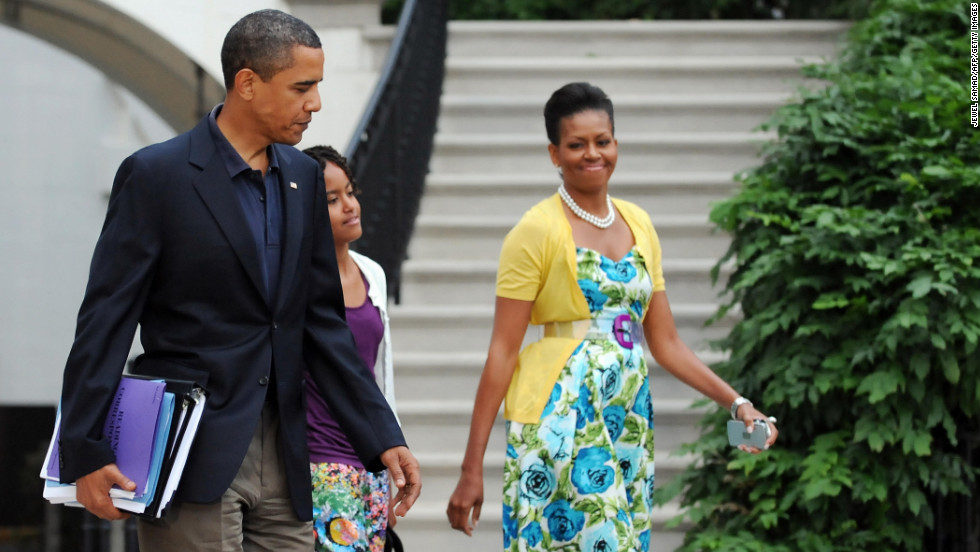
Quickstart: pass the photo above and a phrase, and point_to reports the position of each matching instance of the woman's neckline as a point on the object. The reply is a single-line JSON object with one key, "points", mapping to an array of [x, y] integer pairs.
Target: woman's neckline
{"points": [[625, 255]]}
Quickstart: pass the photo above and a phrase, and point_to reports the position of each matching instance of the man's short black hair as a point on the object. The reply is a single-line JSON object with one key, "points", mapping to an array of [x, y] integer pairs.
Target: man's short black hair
{"points": [[263, 41]]}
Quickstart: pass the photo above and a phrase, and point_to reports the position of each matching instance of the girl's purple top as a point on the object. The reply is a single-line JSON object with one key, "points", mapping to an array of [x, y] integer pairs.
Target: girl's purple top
{"points": [[327, 442]]}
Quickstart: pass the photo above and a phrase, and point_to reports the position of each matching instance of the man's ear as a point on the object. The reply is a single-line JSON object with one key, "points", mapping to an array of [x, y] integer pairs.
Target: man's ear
{"points": [[245, 83]]}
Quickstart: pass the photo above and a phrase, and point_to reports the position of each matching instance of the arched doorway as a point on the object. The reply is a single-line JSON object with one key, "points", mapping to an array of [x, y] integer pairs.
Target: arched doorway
{"points": [[128, 52]]}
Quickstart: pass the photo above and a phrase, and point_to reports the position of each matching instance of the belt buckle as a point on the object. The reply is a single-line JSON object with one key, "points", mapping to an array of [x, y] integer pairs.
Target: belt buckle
{"points": [[622, 330]]}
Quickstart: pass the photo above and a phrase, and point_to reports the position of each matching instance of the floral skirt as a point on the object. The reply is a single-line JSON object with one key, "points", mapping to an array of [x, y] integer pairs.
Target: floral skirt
{"points": [[350, 508], [582, 478]]}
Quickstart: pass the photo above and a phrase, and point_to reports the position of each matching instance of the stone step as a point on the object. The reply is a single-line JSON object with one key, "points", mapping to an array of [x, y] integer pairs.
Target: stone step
{"points": [[435, 375], [442, 426], [644, 38], [460, 328], [378, 39], [660, 193], [480, 237], [640, 153], [540, 76], [629, 38], [633, 113], [458, 282]]}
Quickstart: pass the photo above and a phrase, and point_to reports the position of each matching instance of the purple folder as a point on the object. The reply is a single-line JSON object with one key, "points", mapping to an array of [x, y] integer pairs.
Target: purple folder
{"points": [[130, 428]]}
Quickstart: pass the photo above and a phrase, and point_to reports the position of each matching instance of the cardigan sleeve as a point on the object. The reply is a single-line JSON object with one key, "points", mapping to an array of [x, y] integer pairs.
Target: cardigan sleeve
{"points": [[520, 270]]}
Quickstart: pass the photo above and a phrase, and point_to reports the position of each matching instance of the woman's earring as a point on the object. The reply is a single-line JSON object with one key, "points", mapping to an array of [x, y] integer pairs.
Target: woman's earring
{"points": [[561, 174]]}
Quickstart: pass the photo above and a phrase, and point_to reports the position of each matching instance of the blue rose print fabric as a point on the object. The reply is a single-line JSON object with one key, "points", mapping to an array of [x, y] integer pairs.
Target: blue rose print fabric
{"points": [[582, 477]]}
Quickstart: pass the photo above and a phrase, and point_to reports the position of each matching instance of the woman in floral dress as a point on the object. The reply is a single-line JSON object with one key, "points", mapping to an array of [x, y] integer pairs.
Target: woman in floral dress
{"points": [[579, 471]]}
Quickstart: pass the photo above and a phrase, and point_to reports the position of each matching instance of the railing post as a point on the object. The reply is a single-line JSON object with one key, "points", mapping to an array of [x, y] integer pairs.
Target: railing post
{"points": [[52, 528], [131, 536], [390, 149], [90, 533]]}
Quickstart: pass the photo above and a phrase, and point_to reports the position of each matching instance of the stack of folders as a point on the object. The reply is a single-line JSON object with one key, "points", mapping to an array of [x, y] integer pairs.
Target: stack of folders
{"points": [[150, 425]]}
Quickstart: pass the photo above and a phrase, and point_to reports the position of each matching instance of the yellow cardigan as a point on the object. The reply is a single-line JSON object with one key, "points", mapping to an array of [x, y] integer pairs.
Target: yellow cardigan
{"points": [[538, 263]]}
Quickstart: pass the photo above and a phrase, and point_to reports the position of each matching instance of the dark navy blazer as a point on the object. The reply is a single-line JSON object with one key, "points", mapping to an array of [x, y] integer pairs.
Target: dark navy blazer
{"points": [[176, 257]]}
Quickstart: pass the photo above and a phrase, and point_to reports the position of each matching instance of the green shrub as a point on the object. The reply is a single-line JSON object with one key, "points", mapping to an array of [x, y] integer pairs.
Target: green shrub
{"points": [[856, 251]]}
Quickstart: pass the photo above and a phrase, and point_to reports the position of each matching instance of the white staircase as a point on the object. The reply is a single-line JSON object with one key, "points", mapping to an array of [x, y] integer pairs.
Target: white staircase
{"points": [[687, 96]]}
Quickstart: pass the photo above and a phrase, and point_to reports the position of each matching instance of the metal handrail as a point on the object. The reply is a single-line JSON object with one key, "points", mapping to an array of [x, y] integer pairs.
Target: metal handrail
{"points": [[390, 149]]}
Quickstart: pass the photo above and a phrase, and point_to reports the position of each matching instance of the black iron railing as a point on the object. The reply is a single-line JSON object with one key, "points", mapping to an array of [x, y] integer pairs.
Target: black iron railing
{"points": [[390, 149]]}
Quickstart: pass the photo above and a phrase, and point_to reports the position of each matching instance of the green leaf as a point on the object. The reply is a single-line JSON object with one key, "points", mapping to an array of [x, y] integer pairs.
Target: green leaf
{"points": [[919, 363], [923, 444], [769, 520], [879, 385], [830, 301], [876, 442], [936, 170], [915, 499], [821, 487], [920, 287], [951, 366]]}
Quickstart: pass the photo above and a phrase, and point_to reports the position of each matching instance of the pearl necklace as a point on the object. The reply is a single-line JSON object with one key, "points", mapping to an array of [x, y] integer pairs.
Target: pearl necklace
{"points": [[585, 215]]}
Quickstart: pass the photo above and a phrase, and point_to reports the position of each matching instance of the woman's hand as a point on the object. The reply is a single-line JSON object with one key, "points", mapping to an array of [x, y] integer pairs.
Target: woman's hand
{"points": [[677, 358], [510, 322], [749, 414], [467, 498]]}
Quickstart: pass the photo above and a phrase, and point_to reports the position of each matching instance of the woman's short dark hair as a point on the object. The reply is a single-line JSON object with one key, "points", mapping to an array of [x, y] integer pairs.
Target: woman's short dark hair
{"points": [[573, 98], [263, 41], [327, 154]]}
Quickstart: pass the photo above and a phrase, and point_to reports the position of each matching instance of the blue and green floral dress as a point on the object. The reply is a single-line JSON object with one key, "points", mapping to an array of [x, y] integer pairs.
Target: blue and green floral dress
{"points": [[582, 477]]}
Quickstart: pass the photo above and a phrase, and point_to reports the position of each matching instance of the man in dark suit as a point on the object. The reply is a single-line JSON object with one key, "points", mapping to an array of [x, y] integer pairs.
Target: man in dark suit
{"points": [[217, 244]]}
